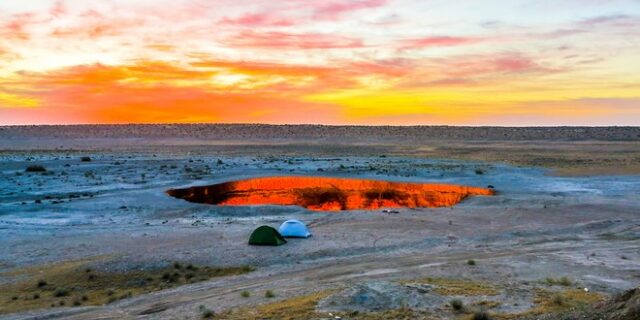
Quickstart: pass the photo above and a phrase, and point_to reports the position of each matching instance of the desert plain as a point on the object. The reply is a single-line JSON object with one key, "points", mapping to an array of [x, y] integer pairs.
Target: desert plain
{"points": [[91, 232]]}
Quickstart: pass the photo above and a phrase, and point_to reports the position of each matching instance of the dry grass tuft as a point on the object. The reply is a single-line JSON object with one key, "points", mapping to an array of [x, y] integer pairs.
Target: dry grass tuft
{"points": [[303, 307], [549, 302], [72, 283], [459, 287]]}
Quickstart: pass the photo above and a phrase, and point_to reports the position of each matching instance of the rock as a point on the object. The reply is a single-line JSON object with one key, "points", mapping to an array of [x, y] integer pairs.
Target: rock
{"points": [[625, 306], [378, 296]]}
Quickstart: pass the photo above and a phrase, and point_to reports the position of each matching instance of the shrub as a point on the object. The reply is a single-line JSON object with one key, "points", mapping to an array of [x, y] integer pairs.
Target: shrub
{"points": [[480, 315], [247, 269], [456, 304], [41, 283], [36, 168], [177, 265], [558, 299], [564, 281], [77, 302], [245, 294], [471, 262], [269, 294], [191, 267], [60, 292], [36, 296], [208, 314]]}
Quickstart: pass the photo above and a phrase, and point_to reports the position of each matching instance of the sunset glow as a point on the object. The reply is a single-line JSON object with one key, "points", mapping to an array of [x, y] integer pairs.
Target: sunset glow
{"points": [[493, 62]]}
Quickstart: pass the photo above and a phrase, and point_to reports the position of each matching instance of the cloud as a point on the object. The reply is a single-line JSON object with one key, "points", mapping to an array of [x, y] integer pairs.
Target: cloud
{"points": [[149, 92], [332, 10], [438, 41], [470, 71], [478, 65], [15, 28], [97, 27], [257, 20], [141, 73], [266, 68], [616, 20], [284, 40], [59, 9], [387, 67]]}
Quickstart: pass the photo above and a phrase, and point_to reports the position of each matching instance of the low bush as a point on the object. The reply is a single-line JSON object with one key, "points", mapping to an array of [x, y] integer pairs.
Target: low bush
{"points": [[60, 292], [480, 315], [269, 294], [208, 314], [563, 281], [558, 299], [35, 168], [456, 304]]}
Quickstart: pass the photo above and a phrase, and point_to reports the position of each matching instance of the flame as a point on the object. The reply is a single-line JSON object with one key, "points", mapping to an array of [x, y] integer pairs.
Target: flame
{"points": [[329, 194]]}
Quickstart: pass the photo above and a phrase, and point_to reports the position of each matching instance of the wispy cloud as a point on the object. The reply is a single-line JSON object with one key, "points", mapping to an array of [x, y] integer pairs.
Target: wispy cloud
{"points": [[258, 20], [335, 9], [285, 40], [438, 41]]}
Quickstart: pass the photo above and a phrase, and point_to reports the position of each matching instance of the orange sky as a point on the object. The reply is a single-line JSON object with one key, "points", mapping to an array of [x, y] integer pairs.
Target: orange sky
{"points": [[490, 62]]}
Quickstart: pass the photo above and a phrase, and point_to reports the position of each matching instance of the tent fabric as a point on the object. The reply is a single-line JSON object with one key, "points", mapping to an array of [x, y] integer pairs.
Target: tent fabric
{"points": [[266, 236], [294, 229]]}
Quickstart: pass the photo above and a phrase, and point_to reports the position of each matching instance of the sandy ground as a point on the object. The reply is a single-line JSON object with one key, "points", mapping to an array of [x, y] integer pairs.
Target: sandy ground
{"points": [[113, 212]]}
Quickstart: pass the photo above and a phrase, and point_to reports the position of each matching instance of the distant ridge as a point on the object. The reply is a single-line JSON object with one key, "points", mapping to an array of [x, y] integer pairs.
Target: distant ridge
{"points": [[255, 132]]}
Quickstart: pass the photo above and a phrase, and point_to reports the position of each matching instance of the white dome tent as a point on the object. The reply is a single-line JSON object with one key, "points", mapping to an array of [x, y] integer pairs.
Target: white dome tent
{"points": [[294, 229]]}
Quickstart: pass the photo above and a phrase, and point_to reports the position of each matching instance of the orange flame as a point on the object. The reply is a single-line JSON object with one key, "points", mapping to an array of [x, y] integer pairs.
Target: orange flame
{"points": [[329, 194]]}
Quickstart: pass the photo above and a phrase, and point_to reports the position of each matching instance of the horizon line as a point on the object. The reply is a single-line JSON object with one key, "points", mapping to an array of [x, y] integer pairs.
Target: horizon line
{"points": [[314, 124]]}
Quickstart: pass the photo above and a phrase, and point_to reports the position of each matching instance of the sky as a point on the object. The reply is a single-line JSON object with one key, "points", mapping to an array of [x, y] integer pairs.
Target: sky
{"points": [[370, 62]]}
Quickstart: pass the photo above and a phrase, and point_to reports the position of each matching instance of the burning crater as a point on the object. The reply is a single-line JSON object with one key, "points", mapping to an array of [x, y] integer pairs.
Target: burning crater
{"points": [[329, 194]]}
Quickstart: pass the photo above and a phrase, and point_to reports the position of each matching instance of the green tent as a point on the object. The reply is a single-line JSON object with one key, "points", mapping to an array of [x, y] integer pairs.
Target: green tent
{"points": [[266, 236]]}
